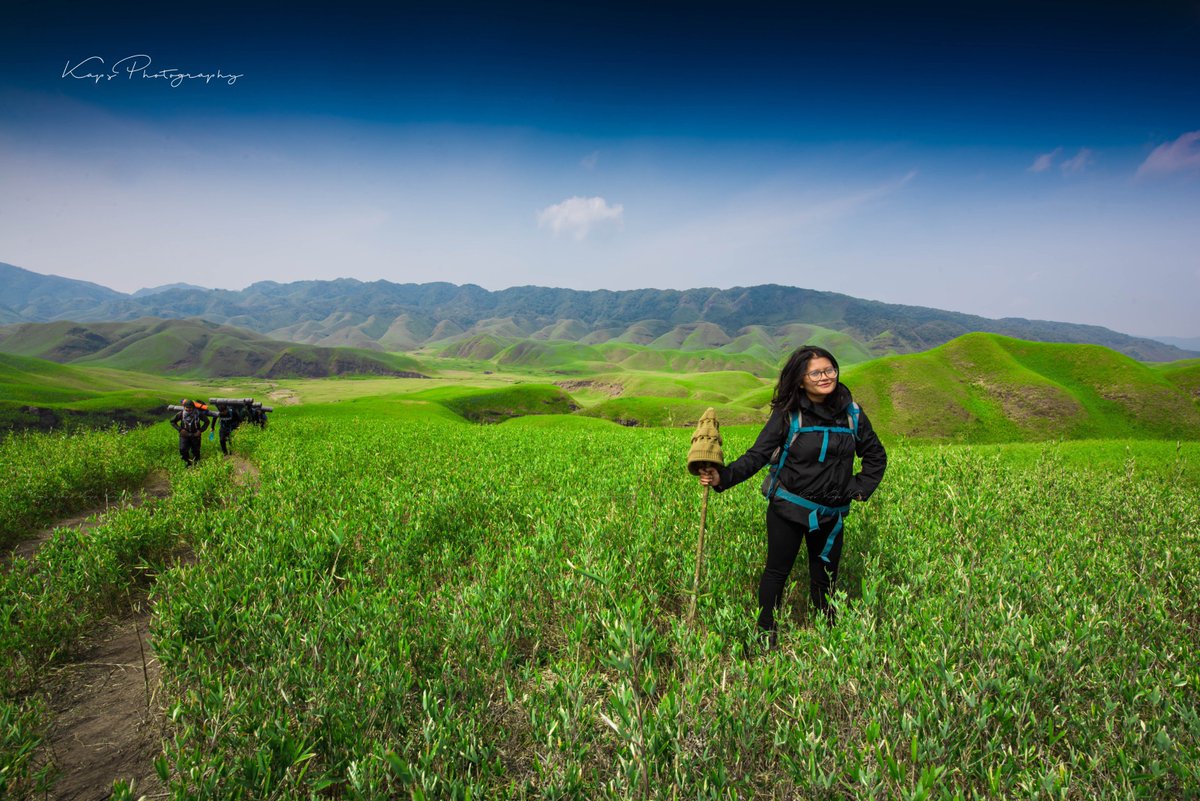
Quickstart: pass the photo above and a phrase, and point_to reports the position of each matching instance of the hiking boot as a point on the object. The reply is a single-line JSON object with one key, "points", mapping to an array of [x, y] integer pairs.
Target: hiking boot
{"points": [[763, 642]]}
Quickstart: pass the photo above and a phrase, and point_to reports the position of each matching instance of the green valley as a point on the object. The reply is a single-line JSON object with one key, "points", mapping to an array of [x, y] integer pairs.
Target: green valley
{"points": [[975, 389]]}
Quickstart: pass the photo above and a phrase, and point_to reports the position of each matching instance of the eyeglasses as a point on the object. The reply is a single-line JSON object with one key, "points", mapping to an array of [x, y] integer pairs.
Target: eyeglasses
{"points": [[830, 372]]}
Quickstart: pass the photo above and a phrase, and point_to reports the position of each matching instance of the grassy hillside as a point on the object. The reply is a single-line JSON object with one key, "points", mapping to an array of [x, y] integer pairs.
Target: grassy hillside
{"points": [[980, 388], [717, 387], [497, 405], [669, 412], [482, 347], [988, 388], [549, 355], [1183, 374], [39, 394], [641, 357], [195, 348], [567, 357]]}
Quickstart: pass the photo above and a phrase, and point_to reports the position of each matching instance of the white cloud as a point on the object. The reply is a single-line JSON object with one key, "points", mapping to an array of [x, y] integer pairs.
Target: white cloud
{"points": [[588, 162], [1045, 161], [579, 215], [1079, 162], [1181, 154]]}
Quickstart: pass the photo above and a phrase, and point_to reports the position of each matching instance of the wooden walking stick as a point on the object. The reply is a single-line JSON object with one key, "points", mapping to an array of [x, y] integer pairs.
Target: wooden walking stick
{"points": [[691, 617], [705, 452]]}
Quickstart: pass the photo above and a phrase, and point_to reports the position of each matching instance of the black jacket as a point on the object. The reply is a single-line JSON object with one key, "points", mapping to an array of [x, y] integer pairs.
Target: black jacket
{"points": [[189, 425], [832, 482]]}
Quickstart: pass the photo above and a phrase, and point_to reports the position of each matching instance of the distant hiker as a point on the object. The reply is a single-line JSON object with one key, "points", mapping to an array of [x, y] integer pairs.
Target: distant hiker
{"points": [[811, 438], [190, 424], [230, 419]]}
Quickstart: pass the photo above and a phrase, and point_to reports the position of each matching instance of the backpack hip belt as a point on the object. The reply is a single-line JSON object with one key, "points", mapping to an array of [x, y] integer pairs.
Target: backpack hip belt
{"points": [[815, 509]]}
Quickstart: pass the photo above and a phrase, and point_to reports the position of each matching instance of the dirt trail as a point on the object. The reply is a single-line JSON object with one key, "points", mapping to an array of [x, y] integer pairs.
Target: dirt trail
{"points": [[157, 485], [107, 716]]}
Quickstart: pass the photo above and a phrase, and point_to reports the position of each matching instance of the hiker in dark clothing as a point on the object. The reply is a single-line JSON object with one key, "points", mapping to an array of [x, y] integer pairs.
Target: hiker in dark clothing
{"points": [[814, 432], [190, 424], [230, 419]]}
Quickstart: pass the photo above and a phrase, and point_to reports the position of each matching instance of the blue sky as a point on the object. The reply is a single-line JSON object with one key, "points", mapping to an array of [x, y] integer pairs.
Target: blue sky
{"points": [[1003, 159]]}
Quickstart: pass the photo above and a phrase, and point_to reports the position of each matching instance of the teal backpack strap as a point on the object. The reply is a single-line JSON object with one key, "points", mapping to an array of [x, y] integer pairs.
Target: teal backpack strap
{"points": [[793, 430], [854, 409], [815, 509]]}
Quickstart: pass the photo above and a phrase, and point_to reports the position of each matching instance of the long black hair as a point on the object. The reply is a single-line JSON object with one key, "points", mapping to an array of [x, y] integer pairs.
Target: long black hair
{"points": [[790, 388]]}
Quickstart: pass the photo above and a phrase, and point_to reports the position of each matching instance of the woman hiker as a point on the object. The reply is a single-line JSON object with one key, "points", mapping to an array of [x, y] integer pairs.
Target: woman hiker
{"points": [[814, 432]]}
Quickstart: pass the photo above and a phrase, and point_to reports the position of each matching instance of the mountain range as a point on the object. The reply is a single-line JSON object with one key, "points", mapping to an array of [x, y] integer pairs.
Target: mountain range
{"points": [[384, 316]]}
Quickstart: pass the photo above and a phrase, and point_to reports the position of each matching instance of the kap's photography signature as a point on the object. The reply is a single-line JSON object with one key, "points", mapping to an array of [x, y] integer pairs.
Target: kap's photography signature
{"points": [[93, 68]]}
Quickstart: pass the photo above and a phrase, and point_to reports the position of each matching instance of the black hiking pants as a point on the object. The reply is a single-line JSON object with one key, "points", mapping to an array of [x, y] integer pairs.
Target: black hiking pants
{"points": [[784, 539], [189, 448]]}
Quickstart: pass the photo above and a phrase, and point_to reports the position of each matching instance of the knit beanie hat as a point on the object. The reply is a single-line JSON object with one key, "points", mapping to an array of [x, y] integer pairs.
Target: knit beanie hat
{"points": [[706, 444]]}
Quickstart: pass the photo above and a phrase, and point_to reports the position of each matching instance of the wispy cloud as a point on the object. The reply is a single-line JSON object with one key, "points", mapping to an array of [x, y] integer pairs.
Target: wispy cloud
{"points": [[589, 161], [1045, 161], [1181, 154], [579, 215], [1079, 162], [1076, 164]]}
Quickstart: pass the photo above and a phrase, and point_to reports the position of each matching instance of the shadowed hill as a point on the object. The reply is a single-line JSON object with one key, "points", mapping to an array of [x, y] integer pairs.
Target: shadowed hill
{"points": [[496, 405], [192, 348]]}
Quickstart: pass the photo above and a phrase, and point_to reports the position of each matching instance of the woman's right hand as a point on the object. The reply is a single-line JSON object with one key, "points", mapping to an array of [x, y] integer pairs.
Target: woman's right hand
{"points": [[709, 477]]}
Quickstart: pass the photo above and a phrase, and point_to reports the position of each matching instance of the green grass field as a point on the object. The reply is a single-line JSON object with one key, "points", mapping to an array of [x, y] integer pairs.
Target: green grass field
{"points": [[473, 584], [407, 604]]}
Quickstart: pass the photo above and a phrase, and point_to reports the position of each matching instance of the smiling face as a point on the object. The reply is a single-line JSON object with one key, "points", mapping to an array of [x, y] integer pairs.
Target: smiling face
{"points": [[820, 379]]}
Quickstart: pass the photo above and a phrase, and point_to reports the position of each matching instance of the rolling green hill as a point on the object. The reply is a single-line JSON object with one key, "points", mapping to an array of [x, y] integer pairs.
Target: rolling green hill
{"points": [[1183, 374], [988, 388], [194, 348], [40, 394], [576, 358], [978, 388]]}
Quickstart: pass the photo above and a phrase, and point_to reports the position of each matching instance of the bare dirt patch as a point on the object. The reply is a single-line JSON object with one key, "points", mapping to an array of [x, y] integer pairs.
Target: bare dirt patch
{"points": [[245, 472], [286, 397], [107, 720], [1034, 407], [607, 388]]}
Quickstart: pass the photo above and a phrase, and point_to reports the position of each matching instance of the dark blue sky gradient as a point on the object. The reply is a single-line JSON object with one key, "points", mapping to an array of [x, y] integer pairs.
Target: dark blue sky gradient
{"points": [[964, 73]]}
